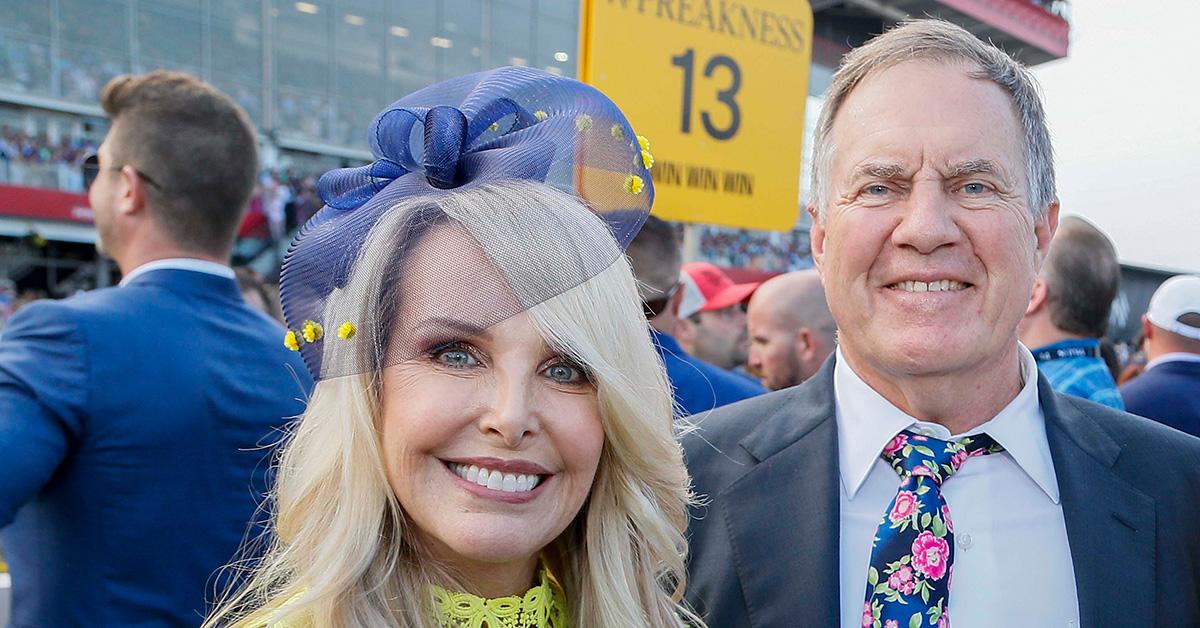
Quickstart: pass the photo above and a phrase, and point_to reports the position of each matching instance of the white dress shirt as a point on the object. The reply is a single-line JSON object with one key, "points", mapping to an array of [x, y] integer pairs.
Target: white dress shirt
{"points": [[1173, 357], [180, 263], [1012, 560]]}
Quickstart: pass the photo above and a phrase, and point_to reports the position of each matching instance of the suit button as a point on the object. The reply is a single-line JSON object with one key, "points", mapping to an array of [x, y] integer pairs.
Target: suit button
{"points": [[964, 541]]}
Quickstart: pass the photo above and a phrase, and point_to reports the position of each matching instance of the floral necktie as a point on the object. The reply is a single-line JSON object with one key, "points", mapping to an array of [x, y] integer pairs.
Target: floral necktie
{"points": [[908, 582]]}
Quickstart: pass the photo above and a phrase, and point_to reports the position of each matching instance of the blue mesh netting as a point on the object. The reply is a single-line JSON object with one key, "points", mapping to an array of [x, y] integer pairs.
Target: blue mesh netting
{"points": [[465, 134]]}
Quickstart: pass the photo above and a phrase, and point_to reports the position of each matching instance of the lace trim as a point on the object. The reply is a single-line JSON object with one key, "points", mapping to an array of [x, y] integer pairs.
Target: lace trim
{"points": [[541, 607]]}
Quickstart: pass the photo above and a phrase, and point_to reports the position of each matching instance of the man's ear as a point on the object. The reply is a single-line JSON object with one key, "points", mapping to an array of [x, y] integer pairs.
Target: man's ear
{"points": [[1044, 228], [816, 236], [804, 346], [685, 331], [676, 300], [131, 196], [1147, 330], [1037, 300]]}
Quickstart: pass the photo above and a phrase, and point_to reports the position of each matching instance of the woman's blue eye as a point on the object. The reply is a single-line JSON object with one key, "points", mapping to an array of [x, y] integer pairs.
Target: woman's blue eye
{"points": [[565, 374], [455, 357]]}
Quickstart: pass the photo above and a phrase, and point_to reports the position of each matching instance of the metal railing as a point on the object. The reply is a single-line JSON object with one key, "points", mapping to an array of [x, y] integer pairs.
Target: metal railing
{"points": [[56, 176]]}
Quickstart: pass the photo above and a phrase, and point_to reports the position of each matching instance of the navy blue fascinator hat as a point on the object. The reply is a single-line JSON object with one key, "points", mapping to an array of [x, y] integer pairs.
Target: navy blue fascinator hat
{"points": [[538, 181]]}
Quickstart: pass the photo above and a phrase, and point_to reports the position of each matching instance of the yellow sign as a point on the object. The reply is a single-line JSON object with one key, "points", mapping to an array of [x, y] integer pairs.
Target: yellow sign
{"points": [[718, 86]]}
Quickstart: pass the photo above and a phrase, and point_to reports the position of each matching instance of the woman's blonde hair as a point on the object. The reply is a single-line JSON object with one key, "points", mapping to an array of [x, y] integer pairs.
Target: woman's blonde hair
{"points": [[342, 552]]}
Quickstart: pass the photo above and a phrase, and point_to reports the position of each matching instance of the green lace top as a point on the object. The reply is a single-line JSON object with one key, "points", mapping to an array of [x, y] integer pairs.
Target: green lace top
{"points": [[542, 606]]}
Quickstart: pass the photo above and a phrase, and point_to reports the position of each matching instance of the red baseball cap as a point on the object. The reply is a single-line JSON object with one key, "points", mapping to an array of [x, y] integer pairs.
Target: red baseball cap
{"points": [[716, 287]]}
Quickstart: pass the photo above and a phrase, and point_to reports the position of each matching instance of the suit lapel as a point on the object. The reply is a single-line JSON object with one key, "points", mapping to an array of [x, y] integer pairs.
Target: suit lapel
{"points": [[782, 516], [1110, 524]]}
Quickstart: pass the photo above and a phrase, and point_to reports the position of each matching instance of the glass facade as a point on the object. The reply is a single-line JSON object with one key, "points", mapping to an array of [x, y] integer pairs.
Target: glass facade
{"points": [[315, 71]]}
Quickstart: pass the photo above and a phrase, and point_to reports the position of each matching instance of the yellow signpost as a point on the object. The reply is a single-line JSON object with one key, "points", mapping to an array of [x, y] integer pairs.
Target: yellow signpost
{"points": [[718, 86]]}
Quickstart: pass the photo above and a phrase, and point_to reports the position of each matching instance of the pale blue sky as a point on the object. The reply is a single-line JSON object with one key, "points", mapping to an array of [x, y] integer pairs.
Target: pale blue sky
{"points": [[1124, 112]]}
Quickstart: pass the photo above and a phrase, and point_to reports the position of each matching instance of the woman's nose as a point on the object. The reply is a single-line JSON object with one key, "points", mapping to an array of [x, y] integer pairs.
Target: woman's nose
{"points": [[510, 414]]}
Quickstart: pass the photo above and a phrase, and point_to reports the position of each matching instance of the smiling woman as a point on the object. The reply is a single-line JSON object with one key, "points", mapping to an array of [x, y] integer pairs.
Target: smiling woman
{"points": [[490, 443]]}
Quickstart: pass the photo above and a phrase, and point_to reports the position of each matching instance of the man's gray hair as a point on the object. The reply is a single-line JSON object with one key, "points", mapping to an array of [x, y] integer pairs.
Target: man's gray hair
{"points": [[938, 40]]}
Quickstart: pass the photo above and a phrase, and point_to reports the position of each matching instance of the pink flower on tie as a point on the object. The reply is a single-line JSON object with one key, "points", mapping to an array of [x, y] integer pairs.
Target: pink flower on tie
{"points": [[902, 581], [919, 437], [957, 460], [906, 505], [922, 470], [944, 621], [868, 618], [891, 623], [930, 554], [946, 519], [897, 443]]}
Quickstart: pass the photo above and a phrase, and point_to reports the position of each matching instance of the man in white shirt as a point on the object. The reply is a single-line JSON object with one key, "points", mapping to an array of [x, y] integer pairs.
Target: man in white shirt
{"points": [[928, 471]]}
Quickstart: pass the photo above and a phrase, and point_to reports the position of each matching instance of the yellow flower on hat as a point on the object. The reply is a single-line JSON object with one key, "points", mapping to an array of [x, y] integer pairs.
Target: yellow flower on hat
{"points": [[541, 115], [583, 122], [347, 330], [312, 331], [493, 127], [634, 184], [643, 142], [647, 159], [289, 341], [617, 130]]}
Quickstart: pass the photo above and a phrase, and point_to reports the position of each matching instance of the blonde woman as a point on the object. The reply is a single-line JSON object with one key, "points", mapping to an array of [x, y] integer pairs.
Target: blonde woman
{"points": [[490, 441]]}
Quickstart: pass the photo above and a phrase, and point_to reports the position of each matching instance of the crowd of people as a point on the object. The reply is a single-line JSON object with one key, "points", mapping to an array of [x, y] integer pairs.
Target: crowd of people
{"points": [[39, 161], [16, 145], [500, 399], [755, 250]]}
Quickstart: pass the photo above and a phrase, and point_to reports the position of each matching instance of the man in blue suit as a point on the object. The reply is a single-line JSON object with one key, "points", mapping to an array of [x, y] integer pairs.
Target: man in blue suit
{"points": [[1169, 390], [134, 419], [696, 385]]}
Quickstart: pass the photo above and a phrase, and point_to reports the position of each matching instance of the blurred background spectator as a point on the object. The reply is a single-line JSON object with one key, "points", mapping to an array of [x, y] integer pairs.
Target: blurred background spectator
{"points": [[1168, 390], [1067, 316], [791, 329]]}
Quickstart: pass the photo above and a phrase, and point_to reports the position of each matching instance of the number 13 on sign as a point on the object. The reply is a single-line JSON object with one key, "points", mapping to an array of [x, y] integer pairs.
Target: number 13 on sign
{"points": [[726, 96], [719, 88]]}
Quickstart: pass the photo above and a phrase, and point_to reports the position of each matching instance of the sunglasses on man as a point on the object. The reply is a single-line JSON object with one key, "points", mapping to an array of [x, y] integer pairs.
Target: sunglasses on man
{"points": [[653, 307], [91, 169]]}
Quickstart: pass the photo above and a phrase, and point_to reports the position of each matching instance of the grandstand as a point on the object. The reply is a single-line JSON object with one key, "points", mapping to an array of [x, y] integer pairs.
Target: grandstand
{"points": [[311, 75]]}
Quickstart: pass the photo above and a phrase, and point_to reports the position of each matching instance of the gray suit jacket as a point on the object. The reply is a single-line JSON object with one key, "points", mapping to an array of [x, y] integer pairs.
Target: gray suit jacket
{"points": [[769, 528]]}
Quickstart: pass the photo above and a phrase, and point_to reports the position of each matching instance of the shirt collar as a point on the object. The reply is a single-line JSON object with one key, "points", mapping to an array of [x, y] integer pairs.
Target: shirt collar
{"points": [[1068, 343], [180, 263], [867, 422], [1178, 356]]}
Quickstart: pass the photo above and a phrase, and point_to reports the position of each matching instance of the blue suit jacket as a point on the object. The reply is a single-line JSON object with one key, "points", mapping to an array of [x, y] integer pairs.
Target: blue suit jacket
{"points": [[696, 385], [765, 542], [132, 421], [1168, 393]]}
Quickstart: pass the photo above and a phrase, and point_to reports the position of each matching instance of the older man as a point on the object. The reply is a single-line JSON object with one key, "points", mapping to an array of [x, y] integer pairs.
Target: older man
{"points": [[791, 329], [843, 502]]}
